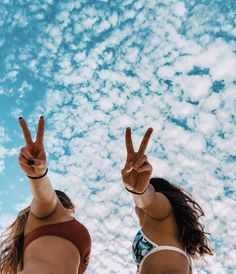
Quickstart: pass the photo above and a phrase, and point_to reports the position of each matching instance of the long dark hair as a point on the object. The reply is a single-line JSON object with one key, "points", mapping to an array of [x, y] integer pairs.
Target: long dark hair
{"points": [[187, 212], [11, 248]]}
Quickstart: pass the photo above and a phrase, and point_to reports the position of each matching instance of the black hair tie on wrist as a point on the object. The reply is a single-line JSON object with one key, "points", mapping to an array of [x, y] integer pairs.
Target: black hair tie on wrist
{"points": [[137, 193], [39, 176]]}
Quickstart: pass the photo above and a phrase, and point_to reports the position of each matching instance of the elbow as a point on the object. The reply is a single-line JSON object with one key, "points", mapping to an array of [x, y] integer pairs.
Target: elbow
{"points": [[42, 211]]}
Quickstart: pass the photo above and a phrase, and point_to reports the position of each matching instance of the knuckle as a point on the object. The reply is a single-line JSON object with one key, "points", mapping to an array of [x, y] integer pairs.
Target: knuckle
{"points": [[144, 157]]}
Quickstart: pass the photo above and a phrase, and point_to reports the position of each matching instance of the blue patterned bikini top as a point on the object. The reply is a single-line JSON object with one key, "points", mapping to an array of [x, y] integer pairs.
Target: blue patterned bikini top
{"points": [[143, 247]]}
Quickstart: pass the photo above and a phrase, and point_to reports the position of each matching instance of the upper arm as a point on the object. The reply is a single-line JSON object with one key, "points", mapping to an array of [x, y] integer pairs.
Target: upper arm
{"points": [[159, 207], [44, 210]]}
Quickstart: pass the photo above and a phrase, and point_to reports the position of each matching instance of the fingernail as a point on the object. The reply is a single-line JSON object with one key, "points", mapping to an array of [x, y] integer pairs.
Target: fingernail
{"points": [[20, 118], [30, 162]]}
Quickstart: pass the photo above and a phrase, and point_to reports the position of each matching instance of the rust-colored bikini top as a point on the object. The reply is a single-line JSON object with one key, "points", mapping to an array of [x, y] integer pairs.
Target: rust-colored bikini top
{"points": [[73, 231]]}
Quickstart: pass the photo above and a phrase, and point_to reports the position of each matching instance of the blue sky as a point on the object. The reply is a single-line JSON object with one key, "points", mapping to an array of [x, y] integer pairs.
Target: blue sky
{"points": [[94, 68]]}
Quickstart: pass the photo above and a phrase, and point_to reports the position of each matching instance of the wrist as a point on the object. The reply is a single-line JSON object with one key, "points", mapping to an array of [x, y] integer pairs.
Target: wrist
{"points": [[136, 193], [38, 177]]}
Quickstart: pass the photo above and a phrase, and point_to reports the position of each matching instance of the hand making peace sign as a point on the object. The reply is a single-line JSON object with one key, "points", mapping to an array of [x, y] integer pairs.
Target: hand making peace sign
{"points": [[32, 157], [137, 171]]}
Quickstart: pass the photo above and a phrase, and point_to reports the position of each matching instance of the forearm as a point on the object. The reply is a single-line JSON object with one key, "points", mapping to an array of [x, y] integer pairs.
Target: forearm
{"points": [[42, 190], [146, 198], [45, 199]]}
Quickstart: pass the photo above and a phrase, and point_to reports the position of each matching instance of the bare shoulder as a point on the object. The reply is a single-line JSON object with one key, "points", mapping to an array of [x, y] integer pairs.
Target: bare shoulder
{"points": [[59, 214], [160, 207]]}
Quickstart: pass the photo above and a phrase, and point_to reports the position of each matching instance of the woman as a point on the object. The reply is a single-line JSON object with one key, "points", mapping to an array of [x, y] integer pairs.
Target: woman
{"points": [[170, 233], [45, 237]]}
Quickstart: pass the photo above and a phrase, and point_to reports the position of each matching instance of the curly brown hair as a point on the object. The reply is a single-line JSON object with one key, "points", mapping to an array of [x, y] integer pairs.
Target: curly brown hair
{"points": [[187, 212], [11, 248]]}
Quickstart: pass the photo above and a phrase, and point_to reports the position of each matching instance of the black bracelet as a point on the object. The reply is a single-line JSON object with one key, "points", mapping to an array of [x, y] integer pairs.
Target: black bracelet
{"points": [[137, 193], [39, 176]]}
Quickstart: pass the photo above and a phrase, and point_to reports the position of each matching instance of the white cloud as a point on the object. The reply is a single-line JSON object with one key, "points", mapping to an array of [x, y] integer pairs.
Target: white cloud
{"points": [[6, 220], [113, 19], [4, 151], [221, 60], [179, 9], [212, 102], [194, 87], [25, 87], [207, 123], [63, 16], [103, 26], [11, 75]]}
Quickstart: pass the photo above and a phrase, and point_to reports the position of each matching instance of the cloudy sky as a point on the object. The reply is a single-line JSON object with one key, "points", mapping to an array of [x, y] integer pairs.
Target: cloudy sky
{"points": [[93, 68]]}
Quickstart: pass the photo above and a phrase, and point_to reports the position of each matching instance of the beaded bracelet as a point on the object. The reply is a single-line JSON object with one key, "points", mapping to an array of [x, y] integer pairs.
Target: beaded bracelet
{"points": [[39, 176], [137, 193]]}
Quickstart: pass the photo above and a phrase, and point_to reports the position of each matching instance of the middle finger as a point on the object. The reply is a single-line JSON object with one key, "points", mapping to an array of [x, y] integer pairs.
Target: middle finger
{"points": [[40, 133], [145, 140]]}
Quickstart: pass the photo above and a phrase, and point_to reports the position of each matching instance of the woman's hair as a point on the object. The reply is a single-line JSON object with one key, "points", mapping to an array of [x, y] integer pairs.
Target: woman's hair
{"points": [[187, 213], [11, 248]]}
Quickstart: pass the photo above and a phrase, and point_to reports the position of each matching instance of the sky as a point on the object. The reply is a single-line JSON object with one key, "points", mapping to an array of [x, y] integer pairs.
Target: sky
{"points": [[93, 68]]}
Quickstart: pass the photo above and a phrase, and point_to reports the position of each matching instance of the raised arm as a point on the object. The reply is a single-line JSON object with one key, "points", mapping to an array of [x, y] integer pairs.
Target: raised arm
{"points": [[32, 160], [136, 176]]}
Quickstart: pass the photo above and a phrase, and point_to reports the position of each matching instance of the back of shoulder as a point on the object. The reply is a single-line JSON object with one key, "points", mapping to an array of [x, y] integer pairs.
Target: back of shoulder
{"points": [[160, 207]]}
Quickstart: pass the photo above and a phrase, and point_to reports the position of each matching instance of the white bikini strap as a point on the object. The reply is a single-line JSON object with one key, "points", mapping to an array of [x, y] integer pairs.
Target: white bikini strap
{"points": [[174, 248], [164, 247]]}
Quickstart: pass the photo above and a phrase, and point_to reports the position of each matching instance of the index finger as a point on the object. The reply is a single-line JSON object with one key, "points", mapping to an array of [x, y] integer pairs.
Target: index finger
{"points": [[40, 133], [26, 132], [145, 141], [128, 141]]}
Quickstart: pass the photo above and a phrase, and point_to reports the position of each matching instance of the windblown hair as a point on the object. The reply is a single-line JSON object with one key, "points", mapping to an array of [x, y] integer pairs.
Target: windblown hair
{"points": [[11, 248], [187, 212]]}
